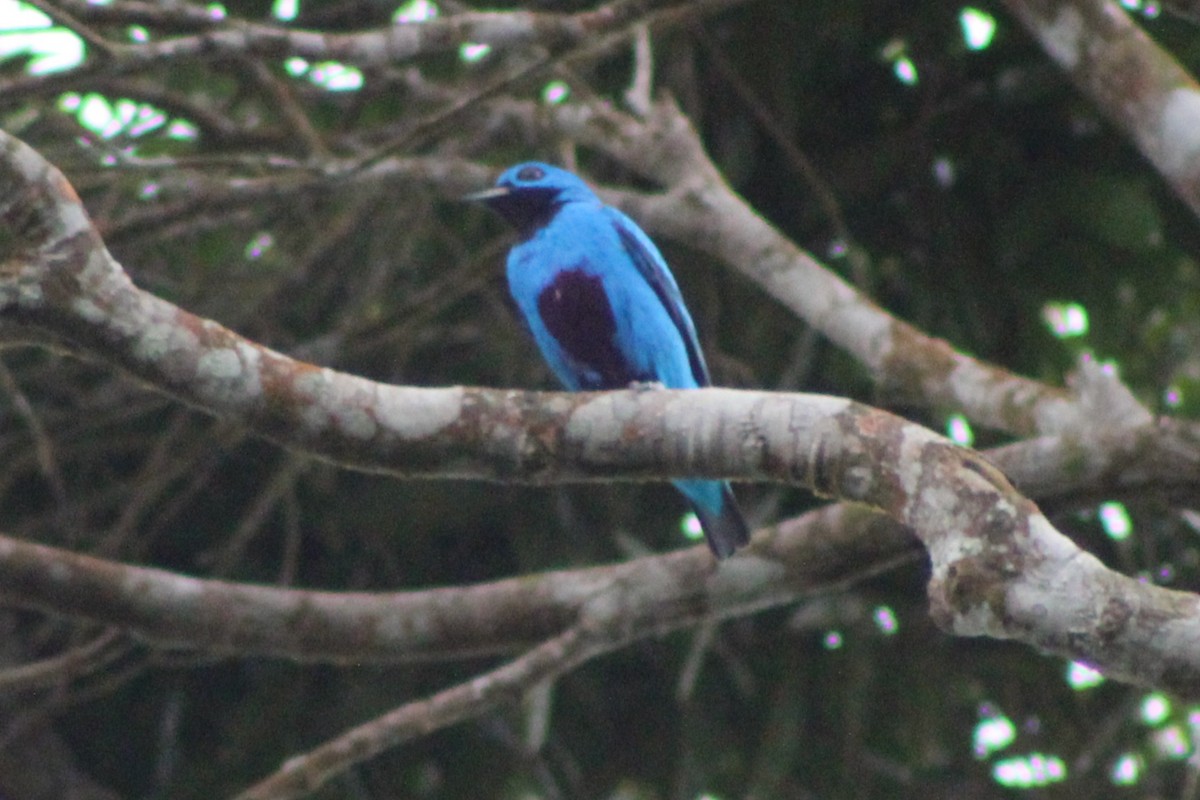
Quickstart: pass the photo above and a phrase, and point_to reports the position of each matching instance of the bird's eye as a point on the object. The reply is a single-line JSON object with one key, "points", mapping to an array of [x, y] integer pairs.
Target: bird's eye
{"points": [[531, 174]]}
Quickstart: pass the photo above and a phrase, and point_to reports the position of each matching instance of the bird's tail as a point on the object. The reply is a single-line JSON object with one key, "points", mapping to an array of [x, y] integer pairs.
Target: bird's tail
{"points": [[724, 526]]}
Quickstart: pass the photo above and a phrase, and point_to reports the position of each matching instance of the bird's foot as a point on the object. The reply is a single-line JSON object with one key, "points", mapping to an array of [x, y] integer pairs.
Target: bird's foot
{"points": [[646, 386]]}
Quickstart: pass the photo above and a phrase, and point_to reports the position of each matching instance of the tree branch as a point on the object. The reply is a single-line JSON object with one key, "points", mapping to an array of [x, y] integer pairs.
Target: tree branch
{"points": [[384, 46], [999, 567], [698, 208], [820, 551], [598, 633], [1139, 86]]}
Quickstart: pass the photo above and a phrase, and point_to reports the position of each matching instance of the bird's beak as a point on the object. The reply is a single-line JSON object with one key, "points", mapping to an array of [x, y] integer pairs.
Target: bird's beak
{"points": [[487, 194]]}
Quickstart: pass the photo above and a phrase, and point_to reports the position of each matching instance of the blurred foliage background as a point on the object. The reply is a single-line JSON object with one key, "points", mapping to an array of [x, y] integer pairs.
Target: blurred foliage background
{"points": [[928, 152]]}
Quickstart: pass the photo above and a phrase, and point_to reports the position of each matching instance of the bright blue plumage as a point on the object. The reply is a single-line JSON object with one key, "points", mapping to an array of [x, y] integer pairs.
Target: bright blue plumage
{"points": [[603, 307]]}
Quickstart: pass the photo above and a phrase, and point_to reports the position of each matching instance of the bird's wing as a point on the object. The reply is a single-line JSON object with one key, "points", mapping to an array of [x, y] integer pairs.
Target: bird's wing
{"points": [[653, 269]]}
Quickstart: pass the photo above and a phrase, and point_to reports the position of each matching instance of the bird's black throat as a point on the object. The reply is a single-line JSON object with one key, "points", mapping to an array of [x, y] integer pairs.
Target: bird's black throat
{"points": [[527, 209]]}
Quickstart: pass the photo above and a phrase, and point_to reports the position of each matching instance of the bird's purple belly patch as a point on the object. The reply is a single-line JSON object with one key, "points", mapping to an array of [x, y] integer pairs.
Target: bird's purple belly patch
{"points": [[576, 311]]}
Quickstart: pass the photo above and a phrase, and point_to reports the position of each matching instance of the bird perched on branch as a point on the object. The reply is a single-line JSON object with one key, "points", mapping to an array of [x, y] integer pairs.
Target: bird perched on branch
{"points": [[604, 308]]}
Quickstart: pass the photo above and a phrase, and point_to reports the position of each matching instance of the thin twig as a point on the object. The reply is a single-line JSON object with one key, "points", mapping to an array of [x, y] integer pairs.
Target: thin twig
{"points": [[274, 492], [105, 49], [545, 57], [771, 125], [43, 446], [64, 667], [306, 773]]}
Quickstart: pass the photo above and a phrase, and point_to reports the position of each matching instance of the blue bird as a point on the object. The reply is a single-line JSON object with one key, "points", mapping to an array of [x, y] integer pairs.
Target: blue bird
{"points": [[604, 308]]}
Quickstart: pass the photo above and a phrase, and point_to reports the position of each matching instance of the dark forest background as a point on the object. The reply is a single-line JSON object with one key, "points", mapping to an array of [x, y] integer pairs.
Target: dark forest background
{"points": [[964, 184]]}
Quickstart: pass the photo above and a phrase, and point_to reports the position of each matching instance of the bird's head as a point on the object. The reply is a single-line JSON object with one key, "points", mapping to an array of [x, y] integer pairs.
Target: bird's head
{"points": [[529, 194]]}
